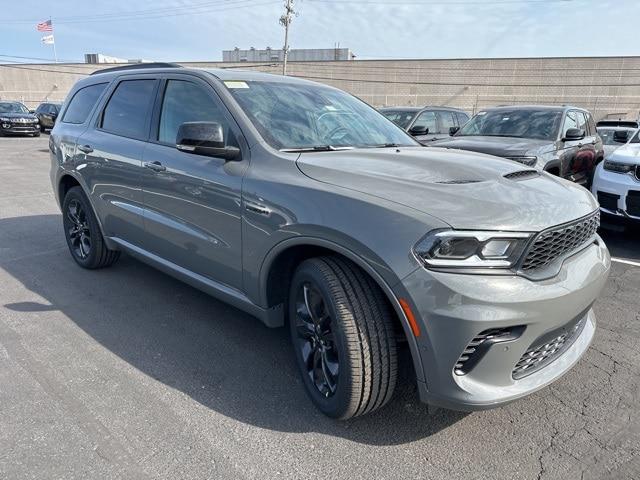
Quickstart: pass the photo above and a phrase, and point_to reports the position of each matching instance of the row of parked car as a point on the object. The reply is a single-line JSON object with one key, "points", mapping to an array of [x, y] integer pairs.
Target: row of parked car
{"points": [[564, 141], [16, 119]]}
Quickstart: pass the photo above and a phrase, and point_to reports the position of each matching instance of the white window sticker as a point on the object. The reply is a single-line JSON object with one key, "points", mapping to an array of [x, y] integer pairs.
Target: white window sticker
{"points": [[235, 84]]}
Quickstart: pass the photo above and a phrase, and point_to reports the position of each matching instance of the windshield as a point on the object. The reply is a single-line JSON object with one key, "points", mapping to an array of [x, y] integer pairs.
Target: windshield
{"points": [[307, 116], [607, 135], [536, 124], [13, 108], [402, 118]]}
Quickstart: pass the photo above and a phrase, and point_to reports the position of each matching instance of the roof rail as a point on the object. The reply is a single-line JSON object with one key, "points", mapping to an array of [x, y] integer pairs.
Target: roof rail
{"points": [[137, 66]]}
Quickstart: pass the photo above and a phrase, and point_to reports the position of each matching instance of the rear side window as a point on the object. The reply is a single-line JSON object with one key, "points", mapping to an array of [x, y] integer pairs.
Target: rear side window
{"points": [[462, 118], [446, 121], [127, 110], [82, 103]]}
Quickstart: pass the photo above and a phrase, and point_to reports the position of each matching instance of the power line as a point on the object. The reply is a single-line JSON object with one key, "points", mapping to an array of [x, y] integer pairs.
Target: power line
{"points": [[438, 2], [150, 14]]}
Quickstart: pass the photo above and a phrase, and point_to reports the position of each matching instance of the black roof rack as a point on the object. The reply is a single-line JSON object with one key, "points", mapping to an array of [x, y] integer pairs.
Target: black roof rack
{"points": [[137, 66]]}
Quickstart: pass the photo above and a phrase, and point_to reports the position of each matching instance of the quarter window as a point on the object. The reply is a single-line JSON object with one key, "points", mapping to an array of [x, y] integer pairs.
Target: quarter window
{"points": [[126, 112], [187, 102], [82, 103]]}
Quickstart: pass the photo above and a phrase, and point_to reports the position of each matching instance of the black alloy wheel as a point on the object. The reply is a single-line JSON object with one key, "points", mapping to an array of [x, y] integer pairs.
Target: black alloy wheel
{"points": [[315, 339], [78, 229]]}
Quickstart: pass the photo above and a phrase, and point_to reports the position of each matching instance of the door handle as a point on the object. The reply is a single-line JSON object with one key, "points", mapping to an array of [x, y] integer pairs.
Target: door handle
{"points": [[257, 208], [155, 166], [85, 148]]}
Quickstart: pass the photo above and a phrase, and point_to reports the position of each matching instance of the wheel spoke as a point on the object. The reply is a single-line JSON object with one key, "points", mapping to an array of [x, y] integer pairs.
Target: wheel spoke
{"points": [[327, 373]]}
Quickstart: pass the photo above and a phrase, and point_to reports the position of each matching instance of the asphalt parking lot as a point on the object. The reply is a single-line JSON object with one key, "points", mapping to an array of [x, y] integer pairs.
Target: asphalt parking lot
{"points": [[128, 373]]}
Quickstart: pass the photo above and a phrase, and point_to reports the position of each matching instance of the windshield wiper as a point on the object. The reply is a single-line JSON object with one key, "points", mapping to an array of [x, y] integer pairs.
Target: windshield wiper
{"points": [[315, 148]]}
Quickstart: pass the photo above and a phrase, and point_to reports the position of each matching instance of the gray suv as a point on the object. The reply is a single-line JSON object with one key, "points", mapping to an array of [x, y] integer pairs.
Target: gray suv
{"points": [[305, 207]]}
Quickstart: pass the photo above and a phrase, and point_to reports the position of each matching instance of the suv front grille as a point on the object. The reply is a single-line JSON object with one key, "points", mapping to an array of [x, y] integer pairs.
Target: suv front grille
{"points": [[558, 241], [633, 203], [608, 201], [549, 347]]}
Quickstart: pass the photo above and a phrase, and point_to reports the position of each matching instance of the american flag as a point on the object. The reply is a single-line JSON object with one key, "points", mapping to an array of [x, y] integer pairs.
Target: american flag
{"points": [[45, 26]]}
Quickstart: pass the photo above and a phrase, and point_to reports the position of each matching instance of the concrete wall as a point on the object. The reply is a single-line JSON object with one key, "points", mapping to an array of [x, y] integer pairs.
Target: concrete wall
{"points": [[606, 86]]}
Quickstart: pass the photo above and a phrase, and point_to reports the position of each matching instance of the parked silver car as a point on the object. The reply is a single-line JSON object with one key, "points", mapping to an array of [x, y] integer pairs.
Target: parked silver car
{"points": [[302, 205]]}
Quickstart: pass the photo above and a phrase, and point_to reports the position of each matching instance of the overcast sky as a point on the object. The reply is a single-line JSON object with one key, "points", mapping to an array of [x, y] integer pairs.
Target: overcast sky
{"points": [[167, 30]]}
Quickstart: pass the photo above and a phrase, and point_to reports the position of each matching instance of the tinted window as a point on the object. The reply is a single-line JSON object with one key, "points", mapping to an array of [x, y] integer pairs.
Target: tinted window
{"points": [[186, 102], [42, 107], [298, 116], [607, 134], [446, 121], [570, 121], [82, 103], [126, 112], [427, 119], [402, 118], [462, 118], [521, 123]]}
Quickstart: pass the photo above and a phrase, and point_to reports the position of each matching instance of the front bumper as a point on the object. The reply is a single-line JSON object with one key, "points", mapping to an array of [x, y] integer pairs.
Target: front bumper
{"points": [[618, 193], [454, 308], [19, 128]]}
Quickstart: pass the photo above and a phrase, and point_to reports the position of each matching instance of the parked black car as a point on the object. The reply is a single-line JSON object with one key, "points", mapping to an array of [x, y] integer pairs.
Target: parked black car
{"points": [[15, 118], [427, 124], [560, 140], [47, 114]]}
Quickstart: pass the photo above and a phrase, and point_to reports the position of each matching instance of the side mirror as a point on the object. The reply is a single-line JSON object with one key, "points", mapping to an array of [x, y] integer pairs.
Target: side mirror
{"points": [[574, 134], [621, 136], [32, 111], [205, 138], [417, 130], [453, 130]]}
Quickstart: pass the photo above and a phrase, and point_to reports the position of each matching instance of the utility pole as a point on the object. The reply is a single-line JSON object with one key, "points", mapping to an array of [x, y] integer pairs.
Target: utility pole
{"points": [[285, 21]]}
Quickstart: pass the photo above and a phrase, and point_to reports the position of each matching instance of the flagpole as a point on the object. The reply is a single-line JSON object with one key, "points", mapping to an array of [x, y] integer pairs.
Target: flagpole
{"points": [[55, 54]]}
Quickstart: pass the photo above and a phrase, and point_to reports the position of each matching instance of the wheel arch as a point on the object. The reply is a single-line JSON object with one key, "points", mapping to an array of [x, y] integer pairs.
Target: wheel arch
{"points": [[65, 183], [281, 261]]}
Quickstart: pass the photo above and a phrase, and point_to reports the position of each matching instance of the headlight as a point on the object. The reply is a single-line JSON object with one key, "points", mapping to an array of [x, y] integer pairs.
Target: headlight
{"points": [[618, 167], [528, 161], [5, 119], [461, 250]]}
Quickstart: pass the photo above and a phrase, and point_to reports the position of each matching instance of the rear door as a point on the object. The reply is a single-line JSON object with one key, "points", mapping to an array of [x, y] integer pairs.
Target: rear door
{"points": [[446, 121], [113, 148], [193, 202], [583, 152]]}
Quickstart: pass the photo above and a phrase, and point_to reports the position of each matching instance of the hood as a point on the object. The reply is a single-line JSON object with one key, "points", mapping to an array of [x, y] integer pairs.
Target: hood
{"points": [[465, 190], [498, 146], [609, 149], [30, 116], [628, 153]]}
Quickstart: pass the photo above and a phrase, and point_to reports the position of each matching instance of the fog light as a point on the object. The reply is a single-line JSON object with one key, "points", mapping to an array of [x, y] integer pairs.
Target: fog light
{"points": [[6, 125]]}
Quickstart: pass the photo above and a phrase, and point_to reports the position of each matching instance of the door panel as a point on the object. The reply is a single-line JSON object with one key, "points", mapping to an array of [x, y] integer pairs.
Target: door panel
{"points": [[112, 171], [193, 202]]}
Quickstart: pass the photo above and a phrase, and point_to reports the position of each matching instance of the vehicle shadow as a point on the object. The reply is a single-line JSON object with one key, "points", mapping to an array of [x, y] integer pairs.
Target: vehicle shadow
{"points": [[222, 358]]}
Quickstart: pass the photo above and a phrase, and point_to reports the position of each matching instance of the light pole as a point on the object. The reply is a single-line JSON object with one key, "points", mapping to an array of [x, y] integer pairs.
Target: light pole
{"points": [[285, 21]]}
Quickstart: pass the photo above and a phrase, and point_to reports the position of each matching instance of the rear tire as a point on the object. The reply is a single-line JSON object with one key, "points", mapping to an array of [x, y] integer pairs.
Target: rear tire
{"points": [[343, 337], [82, 232]]}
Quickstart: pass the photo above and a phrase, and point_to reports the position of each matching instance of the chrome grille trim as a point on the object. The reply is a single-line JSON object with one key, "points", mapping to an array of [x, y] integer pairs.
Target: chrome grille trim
{"points": [[559, 241]]}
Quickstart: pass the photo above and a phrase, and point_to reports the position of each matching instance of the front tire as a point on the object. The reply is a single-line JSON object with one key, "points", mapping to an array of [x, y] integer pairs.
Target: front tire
{"points": [[343, 337], [82, 232]]}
